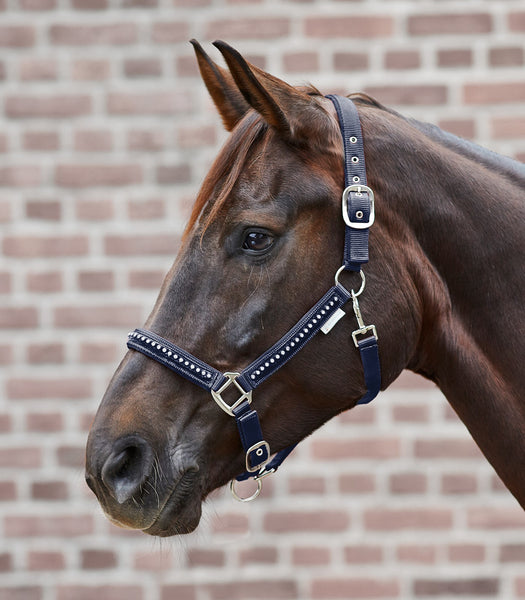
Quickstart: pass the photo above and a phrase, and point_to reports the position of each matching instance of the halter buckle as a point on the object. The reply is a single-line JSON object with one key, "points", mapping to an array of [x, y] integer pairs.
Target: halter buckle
{"points": [[359, 189], [231, 378]]}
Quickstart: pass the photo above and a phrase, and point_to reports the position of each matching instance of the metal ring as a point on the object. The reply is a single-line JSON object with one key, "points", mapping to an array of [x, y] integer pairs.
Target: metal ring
{"points": [[249, 498], [363, 280]]}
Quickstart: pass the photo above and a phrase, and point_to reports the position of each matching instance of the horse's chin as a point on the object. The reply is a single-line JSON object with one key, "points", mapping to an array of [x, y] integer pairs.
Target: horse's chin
{"points": [[175, 518]]}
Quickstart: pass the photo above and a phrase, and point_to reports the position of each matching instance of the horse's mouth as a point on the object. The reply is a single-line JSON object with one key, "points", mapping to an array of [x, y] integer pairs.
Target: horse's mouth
{"points": [[181, 511]]}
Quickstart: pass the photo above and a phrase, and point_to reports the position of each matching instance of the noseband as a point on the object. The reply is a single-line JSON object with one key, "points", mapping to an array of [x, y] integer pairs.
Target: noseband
{"points": [[358, 216]]}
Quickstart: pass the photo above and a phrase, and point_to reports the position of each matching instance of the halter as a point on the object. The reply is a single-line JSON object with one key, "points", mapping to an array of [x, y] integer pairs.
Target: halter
{"points": [[358, 215]]}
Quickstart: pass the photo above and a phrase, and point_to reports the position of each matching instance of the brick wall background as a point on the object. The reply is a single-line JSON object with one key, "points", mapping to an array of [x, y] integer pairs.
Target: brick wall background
{"points": [[106, 132]]}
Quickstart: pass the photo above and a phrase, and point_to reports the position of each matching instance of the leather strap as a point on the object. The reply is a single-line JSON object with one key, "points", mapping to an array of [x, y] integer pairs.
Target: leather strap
{"points": [[358, 197]]}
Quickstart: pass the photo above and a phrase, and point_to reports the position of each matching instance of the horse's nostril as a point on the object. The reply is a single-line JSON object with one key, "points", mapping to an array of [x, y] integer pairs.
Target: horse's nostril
{"points": [[127, 467]]}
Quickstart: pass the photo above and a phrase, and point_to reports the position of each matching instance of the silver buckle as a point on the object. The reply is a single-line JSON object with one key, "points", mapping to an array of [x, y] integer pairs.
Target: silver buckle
{"points": [[358, 189], [258, 447], [229, 408]]}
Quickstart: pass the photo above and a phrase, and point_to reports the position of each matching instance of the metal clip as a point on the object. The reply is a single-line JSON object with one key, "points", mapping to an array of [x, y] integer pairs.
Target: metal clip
{"points": [[363, 329]]}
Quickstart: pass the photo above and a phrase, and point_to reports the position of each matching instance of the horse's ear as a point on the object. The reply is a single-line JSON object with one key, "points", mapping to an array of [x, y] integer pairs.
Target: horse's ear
{"points": [[284, 107], [222, 88]]}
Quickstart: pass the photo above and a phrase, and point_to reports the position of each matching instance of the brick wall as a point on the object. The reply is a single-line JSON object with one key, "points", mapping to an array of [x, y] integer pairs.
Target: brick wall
{"points": [[106, 133]]}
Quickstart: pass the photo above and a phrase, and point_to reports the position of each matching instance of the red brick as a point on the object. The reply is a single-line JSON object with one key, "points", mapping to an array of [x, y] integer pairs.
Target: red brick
{"points": [[20, 458], [461, 57], [5, 283], [46, 282], [375, 448], [139, 245], [41, 140], [22, 593], [346, 27], [230, 523], [410, 95], [64, 388], [146, 209], [408, 483], [94, 175], [383, 519], [363, 554], [310, 556], [17, 36], [457, 587], [59, 106], [46, 561], [196, 136], [99, 352], [417, 554], [297, 62], [99, 209], [174, 174], [44, 422], [50, 210], [49, 490], [454, 23], [520, 587], [148, 103], [6, 562], [99, 592], [49, 526], [461, 127], [463, 483], [510, 56], [466, 553], [358, 483], [90, 4], [38, 69], [307, 485], [508, 127], [71, 456], [260, 28], [146, 140], [98, 559], [263, 589], [357, 587], [93, 141], [169, 32], [319, 521], [494, 93], [16, 318], [402, 59], [45, 353], [7, 494], [516, 21], [511, 517], [512, 553], [446, 448], [90, 69], [258, 555], [201, 557], [97, 316], [146, 279], [409, 413], [95, 281], [142, 67], [117, 34], [20, 176], [179, 592], [6, 354], [37, 4], [155, 561]]}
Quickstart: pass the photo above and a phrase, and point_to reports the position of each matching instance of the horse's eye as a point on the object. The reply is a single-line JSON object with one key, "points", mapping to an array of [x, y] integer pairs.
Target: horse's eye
{"points": [[257, 242]]}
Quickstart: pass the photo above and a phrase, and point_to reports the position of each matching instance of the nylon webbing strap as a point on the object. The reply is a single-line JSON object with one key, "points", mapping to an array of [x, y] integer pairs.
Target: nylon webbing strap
{"points": [[357, 197]]}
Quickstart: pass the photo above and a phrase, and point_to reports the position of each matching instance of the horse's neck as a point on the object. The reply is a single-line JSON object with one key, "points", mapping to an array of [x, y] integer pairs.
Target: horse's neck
{"points": [[469, 224]]}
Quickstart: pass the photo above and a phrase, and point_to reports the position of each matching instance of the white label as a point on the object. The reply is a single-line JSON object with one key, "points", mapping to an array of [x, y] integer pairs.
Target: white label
{"points": [[335, 318]]}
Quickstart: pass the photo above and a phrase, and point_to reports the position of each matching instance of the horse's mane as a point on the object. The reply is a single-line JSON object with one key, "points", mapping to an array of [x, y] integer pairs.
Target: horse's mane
{"points": [[513, 169]]}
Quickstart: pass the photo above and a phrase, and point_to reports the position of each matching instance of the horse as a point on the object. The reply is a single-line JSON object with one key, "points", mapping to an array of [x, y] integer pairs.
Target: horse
{"points": [[444, 288]]}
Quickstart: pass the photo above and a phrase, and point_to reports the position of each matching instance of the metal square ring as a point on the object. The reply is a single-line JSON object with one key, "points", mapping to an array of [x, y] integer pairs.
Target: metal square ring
{"points": [[231, 378]]}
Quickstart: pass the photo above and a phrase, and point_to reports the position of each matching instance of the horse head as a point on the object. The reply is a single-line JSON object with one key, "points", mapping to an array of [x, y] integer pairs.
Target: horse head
{"points": [[262, 245]]}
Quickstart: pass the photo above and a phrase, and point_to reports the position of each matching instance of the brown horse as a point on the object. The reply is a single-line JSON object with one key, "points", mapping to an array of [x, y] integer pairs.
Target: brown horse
{"points": [[445, 288]]}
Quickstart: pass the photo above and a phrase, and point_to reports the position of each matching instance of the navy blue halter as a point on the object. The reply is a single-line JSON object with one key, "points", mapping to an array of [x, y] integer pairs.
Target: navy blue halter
{"points": [[358, 214]]}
